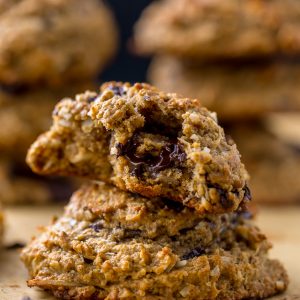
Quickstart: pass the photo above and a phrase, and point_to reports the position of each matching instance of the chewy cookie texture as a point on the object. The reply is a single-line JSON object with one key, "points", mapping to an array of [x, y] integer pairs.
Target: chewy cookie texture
{"points": [[145, 141], [54, 41], [202, 30], [111, 244]]}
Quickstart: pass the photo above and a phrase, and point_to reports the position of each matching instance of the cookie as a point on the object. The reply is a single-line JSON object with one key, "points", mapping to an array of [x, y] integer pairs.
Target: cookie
{"points": [[234, 91], [273, 165], [20, 186], [145, 141], [26, 113], [214, 30], [110, 244], [54, 41], [1, 225]]}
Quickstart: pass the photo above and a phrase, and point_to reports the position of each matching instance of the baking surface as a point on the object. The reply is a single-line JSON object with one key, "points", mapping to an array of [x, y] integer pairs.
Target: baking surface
{"points": [[280, 224]]}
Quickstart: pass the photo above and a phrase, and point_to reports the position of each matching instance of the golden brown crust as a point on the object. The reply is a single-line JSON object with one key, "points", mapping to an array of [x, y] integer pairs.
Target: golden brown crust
{"points": [[103, 248], [145, 141]]}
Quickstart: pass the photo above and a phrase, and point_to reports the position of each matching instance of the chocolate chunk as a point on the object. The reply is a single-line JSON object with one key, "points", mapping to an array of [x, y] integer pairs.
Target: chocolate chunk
{"points": [[118, 90], [97, 226], [184, 231], [194, 253], [170, 155], [132, 233], [92, 99], [88, 261], [247, 195], [225, 202], [26, 298], [174, 205]]}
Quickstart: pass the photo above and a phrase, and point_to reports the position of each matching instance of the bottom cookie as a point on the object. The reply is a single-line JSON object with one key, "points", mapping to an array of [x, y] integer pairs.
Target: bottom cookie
{"points": [[20, 186], [110, 244], [273, 164]]}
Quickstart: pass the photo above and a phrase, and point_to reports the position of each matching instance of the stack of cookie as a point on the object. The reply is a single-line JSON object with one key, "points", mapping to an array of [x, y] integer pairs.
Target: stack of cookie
{"points": [[49, 49], [164, 216], [240, 59]]}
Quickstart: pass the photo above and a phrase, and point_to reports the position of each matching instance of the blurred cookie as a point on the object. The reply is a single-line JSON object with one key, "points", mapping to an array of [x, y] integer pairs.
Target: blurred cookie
{"points": [[110, 244], [25, 113], [218, 29], [1, 224], [273, 165], [286, 126], [234, 91], [54, 41], [20, 186], [145, 141]]}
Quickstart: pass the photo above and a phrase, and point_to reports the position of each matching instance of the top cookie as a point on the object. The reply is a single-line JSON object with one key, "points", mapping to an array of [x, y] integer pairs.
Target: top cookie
{"points": [[145, 141], [54, 41], [202, 29]]}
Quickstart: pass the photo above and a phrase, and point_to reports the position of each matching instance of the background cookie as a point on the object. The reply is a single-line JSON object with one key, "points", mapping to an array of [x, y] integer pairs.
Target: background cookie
{"points": [[234, 91], [202, 30], [219, 257], [273, 165], [26, 113], [145, 141], [1, 225], [20, 186], [54, 41]]}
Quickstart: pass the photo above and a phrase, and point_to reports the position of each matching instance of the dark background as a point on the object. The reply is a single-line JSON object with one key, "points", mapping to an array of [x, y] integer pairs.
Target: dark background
{"points": [[126, 66]]}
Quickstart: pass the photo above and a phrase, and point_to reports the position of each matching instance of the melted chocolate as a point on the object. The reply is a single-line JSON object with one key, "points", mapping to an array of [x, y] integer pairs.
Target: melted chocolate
{"points": [[170, 155], [88, 261], [173, 205], [194, 253]]}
